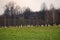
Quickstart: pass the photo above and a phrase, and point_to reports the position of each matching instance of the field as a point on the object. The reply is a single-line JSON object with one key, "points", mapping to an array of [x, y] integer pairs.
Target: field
{"points": [[30, 33]]}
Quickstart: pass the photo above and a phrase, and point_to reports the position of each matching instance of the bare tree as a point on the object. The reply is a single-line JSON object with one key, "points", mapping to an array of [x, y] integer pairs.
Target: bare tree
{"points": [[9, 11], [53, 13], [44, 9], [17, 12]]}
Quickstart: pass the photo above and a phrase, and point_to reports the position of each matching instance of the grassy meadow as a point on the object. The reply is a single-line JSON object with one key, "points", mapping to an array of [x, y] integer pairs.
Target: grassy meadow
{"points": [[30, 33]]}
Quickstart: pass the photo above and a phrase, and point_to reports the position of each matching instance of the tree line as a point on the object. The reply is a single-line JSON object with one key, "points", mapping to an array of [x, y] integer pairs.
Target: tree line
{"points": [[14, 16]]}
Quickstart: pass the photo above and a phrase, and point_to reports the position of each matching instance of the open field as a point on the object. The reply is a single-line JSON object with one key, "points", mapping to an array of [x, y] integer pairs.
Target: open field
{"points": [[30, 33]]}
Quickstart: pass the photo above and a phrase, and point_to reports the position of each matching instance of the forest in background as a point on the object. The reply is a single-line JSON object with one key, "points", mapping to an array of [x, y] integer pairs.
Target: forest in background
{"points": [[14, 16]]}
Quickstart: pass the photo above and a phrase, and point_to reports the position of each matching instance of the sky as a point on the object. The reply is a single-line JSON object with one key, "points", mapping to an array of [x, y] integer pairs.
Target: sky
{"points": [[34, 5]]}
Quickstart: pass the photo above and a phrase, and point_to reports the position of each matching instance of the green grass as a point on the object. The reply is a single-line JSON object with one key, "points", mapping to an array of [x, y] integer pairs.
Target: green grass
{"points": [[30, 33]]}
